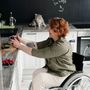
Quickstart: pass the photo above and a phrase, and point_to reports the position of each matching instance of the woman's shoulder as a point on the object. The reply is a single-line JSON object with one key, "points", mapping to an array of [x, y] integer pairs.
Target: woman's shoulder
{"points": [[62, 40]]}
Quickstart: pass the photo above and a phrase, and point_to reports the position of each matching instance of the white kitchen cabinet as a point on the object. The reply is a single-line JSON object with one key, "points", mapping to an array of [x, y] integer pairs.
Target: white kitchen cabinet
{"points": [[40, 37], [31, 62], [86, 67], [17, 72]]}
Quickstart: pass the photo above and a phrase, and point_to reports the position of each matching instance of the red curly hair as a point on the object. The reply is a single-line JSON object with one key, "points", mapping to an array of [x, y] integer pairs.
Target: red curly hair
{"points": [[59, 25]]}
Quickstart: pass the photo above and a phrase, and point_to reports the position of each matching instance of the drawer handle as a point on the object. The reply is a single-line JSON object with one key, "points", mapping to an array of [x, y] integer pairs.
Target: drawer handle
{"points": [[72, 41], [31, 33], [88, 64]]}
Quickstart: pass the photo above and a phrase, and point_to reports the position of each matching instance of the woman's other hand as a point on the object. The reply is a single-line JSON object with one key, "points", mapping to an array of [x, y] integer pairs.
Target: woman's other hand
{"points": [[20, 39]]}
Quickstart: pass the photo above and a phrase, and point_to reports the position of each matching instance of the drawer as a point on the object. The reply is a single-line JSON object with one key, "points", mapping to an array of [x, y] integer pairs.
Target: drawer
{"points": [[86, 70], [86, 63]]}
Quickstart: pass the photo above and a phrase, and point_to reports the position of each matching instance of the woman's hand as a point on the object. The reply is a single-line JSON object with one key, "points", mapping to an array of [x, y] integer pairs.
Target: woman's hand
{"points": [[15, 42], [20, 39]]}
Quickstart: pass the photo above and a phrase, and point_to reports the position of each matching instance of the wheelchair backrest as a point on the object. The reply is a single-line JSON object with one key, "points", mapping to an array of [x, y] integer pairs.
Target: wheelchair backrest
{"points": [[78, 61]]}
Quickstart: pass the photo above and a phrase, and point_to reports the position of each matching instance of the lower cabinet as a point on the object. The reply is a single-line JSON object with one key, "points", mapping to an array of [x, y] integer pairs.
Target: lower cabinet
{"points": [[86, 67], [31, 62], [17, 72]]}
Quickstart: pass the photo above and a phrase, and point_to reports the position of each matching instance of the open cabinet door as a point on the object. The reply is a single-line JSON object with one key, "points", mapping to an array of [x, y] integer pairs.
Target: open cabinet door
{"points": [[1, 74]]}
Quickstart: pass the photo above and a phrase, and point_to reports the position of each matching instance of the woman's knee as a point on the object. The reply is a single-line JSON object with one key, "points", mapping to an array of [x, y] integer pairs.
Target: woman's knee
{"points": [[38, 71], [39, 78]]}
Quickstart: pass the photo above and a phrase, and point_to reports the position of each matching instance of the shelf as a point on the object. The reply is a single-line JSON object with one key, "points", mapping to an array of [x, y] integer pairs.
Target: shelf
{"points": [[6, 32], [7, 27]]}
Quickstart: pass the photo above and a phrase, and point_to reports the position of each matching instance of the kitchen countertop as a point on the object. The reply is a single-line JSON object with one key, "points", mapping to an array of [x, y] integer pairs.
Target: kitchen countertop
{"points": [[6, 27], [36, 29]]}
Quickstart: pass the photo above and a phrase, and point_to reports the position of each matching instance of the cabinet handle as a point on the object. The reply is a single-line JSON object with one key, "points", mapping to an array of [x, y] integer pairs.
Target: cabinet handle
{"points": [[88, 64], [31, 33], [72, 41]]}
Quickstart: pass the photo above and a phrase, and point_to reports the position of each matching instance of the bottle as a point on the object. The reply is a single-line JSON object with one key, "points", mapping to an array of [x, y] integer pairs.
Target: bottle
{"points": [[12, 20]]}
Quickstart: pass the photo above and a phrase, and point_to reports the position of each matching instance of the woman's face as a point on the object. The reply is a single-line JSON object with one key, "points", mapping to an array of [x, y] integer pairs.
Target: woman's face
{"points": [[53, 34]]}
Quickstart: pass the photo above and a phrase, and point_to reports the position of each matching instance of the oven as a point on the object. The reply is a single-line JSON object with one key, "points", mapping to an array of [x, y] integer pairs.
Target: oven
{"points": [[83, 45], [83, 48]]}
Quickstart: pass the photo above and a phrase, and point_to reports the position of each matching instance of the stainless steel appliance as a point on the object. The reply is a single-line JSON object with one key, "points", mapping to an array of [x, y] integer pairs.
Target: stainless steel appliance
{"points": [[83, 45]]}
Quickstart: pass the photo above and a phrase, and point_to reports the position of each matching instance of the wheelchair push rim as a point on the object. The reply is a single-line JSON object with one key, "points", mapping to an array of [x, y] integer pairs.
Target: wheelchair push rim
{"points": [[79, 81]]}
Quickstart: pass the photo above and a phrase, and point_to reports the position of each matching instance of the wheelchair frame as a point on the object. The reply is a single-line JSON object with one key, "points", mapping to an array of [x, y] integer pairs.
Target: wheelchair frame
{"points": [[72, 81]]}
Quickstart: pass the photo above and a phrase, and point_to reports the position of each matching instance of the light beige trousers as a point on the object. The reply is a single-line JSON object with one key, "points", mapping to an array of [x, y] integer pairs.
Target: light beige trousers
{"points": [[42, 80]]}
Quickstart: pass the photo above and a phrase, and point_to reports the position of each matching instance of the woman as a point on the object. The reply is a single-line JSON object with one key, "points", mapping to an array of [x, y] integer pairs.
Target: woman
{"points": [[57, 53]]}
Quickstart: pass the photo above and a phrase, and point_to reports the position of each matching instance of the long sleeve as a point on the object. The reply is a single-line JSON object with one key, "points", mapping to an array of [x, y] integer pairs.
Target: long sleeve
{"points": [[42, 44], [45, 43], [54, 50]]}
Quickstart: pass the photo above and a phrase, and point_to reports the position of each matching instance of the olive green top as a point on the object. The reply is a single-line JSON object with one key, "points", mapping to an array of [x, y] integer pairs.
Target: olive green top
{"points": [[58, 56]]}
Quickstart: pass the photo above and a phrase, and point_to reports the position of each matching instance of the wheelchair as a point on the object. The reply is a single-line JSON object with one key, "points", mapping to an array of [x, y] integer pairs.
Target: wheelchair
{"points": [[77, 80]]}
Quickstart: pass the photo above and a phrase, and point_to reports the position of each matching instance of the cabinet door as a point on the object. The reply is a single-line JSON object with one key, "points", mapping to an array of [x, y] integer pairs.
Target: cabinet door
{"points": [[31, 62], [40, 37], [86, 67], [29, 36]]}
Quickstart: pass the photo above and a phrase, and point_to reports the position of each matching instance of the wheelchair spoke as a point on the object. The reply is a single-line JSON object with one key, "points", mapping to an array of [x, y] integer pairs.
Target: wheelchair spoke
{"points": [[76, 81], [82, 83], [85, 83]]}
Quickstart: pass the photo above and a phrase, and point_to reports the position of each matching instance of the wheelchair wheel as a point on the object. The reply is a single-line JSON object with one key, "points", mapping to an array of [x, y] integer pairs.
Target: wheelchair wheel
{"points": [[77, 81]]}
